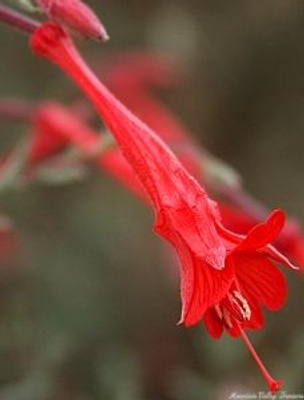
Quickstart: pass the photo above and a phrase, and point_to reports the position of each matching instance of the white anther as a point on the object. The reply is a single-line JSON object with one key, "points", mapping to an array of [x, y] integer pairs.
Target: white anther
{"points": [[227, 318], [218, 311], [243, 304]]}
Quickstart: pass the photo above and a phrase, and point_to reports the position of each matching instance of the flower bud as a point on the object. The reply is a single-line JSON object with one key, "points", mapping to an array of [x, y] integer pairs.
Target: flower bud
{"points": [[76, 15]]}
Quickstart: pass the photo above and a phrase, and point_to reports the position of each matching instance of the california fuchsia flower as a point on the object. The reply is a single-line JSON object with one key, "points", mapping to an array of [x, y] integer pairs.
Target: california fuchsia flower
{"points": [[76, 15], [226, 278]]}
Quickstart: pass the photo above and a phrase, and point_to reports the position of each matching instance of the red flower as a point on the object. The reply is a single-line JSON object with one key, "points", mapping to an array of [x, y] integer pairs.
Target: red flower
{"points": [[225, 277], [76, 15]]}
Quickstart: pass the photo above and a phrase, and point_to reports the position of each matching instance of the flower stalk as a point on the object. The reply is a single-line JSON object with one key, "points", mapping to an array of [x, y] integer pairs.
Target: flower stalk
{"points": [[17, 20]]}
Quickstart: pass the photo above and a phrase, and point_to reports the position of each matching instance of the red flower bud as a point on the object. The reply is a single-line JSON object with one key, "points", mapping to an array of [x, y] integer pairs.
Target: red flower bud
{"points": [[75, 15]]}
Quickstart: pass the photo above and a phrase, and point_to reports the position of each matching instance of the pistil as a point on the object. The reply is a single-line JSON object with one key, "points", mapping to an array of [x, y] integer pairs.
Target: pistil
{"points": [[274, 385]]}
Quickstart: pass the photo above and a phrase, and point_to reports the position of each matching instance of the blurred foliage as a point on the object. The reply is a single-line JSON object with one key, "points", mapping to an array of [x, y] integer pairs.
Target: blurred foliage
{"points": [[89, 307]]}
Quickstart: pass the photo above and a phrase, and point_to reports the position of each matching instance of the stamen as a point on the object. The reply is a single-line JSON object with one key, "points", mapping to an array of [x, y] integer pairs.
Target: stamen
{"points": [[218, 311], [231, 304], [273, 384], [227, 318], [246, 311]]}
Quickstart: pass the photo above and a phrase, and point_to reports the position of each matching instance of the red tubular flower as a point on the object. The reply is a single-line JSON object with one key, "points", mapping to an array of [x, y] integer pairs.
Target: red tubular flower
{"points": [[76, 15], [225, 278]]}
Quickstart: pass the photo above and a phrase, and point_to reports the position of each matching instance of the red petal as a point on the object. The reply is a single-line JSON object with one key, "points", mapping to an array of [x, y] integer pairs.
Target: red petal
{"points": [[257, 319], [213, 324], [263, 234], [259, 236], [201, 287], [261, 279]]}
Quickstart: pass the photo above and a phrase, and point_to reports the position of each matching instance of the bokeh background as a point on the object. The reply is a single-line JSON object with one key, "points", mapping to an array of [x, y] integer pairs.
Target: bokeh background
{"points": [[88, 300]]}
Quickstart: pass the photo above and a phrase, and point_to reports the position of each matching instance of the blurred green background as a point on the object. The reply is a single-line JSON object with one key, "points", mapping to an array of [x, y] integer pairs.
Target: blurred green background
{"points": [[88, 310]]}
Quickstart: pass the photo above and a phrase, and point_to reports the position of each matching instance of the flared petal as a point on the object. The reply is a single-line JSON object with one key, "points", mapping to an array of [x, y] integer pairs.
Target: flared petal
{"points": [[259, 277], [202, 287], [213, 323], [264, 233]]}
